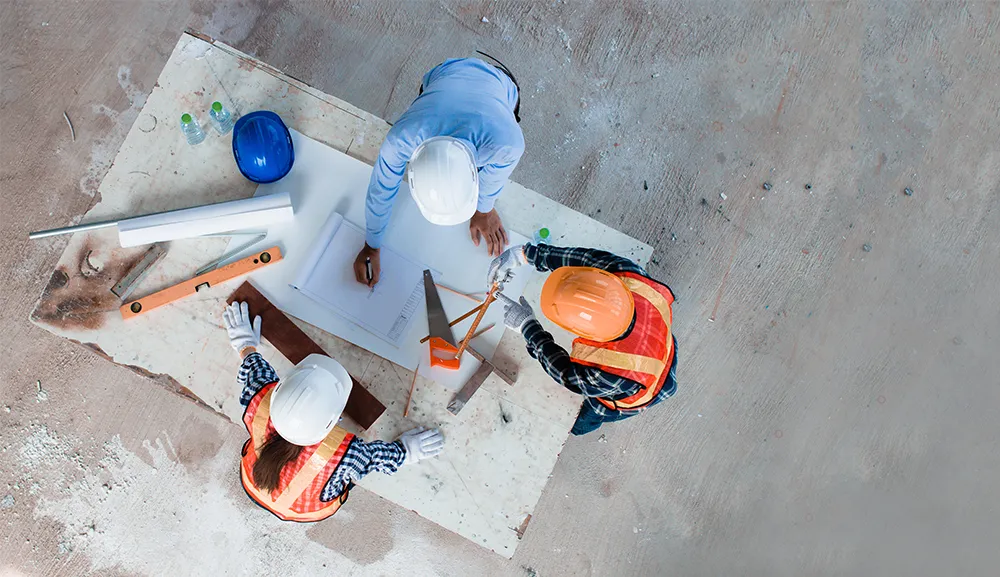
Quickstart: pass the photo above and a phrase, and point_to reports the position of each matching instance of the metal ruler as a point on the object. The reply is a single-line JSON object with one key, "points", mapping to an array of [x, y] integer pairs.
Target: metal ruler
{"points": [[259, 236], [475, 381], [139, 271]]}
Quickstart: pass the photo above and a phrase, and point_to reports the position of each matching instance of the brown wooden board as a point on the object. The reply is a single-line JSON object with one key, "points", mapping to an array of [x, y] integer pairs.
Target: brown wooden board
{"points": [[279, 330]]}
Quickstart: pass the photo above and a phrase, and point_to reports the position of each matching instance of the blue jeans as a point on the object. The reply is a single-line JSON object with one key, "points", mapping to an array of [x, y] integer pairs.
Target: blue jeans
{"points": [[588, 420]]}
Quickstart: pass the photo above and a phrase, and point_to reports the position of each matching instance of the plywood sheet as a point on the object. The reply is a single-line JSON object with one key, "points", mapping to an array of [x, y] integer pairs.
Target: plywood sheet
{"points": [[502, 446]]}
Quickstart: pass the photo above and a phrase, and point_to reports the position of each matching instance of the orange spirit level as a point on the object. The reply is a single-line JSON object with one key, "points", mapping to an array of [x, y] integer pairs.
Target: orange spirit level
{"points": [[209, 279]]}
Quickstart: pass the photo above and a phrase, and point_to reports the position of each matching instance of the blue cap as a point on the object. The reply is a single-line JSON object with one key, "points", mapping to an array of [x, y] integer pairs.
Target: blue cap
{"points": [[262, 146]]}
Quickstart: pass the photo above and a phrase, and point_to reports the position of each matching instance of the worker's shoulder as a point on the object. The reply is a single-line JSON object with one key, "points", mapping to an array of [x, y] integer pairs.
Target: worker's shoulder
{"points": [[434, 115], [508, 137], [462, 65]]}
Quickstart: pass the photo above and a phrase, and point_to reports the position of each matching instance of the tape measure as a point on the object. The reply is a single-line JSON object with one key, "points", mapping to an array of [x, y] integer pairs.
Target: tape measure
{"points": [[209, 279]]}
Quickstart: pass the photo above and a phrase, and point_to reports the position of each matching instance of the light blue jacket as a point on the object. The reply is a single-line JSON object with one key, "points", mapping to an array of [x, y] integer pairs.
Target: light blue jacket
{"points": [[464, 98]]}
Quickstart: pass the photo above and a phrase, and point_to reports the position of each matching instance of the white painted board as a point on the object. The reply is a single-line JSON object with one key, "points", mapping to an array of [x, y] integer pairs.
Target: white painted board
{"points": [[257, 213], [324, 180]]}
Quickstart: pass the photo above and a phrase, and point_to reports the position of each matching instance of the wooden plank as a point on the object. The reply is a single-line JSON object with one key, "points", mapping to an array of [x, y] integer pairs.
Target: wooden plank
{"points": [[279, 330]]}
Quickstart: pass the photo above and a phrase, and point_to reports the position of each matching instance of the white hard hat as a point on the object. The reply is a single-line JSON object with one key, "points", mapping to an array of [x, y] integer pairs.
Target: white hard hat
{"points": [[309, 401], [444, 180]]}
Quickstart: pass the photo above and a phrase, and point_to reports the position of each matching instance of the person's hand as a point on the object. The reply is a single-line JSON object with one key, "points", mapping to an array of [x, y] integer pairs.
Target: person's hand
{"points": [[242, 333], [487, 225], [510, 259], [361, 268], [516, 313], [421, 444]]}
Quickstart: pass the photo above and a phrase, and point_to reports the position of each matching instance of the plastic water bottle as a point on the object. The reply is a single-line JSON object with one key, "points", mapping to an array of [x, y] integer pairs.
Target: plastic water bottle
{"points": [[191, 129], [542, 236], [222, 120]]}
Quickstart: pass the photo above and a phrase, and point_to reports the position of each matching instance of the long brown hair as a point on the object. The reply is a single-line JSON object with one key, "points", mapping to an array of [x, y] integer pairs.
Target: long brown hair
{"points": [[274, 455]]}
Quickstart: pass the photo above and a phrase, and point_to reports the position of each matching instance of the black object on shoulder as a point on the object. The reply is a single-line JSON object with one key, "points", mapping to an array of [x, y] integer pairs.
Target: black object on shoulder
{"points": [[503, 68]]}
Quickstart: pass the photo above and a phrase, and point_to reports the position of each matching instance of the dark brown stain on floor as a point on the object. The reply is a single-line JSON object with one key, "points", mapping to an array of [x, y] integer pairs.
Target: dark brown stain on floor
{"points": [[78, 295]]}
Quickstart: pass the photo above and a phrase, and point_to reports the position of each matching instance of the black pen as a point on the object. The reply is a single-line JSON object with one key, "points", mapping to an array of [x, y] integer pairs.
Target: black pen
{"points": [[368, 268]]}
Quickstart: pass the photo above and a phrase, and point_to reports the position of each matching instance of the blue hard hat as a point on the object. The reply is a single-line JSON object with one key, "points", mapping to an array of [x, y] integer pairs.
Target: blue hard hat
{"points": [[262, 146]]}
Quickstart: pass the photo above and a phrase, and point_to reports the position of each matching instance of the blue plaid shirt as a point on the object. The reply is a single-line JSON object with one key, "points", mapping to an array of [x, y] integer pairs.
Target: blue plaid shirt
{"points": [[360, 458], [590, 382]]}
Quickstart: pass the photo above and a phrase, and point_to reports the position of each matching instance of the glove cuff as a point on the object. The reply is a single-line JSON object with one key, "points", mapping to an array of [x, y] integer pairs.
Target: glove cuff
{"points": [[520, 255]]}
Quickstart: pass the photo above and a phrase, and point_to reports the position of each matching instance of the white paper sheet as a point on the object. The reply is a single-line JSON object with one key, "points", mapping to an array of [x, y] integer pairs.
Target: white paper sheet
{"points": [[324, 180], [257, 212], [327, 277]]}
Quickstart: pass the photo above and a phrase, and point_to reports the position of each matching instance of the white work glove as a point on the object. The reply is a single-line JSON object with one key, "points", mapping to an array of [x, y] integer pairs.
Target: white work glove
{"points": [[510, 259], [242, 334], [515, 313], [421, 444]]}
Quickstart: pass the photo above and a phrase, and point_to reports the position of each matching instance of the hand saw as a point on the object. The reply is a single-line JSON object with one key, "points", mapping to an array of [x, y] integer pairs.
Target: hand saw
{"points": [[442, 341]]}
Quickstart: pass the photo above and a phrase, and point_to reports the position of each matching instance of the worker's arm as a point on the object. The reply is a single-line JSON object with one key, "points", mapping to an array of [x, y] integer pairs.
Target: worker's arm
{"points": [[546, 257], [254, 373], [495, 175], [387, 175], [581, 379], [360, 459]]}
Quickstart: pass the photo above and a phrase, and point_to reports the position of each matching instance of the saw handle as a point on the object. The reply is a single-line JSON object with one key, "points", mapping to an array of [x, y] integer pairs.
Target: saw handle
{"points": [[443, 354]]}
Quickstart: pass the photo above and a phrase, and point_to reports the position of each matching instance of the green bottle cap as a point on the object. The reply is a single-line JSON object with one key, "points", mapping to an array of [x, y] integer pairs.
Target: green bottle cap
{"points": [[217, 106], [543, 232], [186, 118]]}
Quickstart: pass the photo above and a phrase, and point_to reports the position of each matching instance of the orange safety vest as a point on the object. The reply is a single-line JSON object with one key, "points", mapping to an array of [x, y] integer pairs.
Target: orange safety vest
{"points": [[646, 353], [302, 480]]}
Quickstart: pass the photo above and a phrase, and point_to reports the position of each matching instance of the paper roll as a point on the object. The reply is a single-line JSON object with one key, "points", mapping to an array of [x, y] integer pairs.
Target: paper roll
{"points": [[318, 248], [255, 212]]}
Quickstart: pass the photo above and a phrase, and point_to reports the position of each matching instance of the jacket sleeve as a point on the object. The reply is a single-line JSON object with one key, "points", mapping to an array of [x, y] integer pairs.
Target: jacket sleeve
{"points": [[254, 373], [383, 187], [545, 257], [360, 459], [581, 379], [494, 176]]}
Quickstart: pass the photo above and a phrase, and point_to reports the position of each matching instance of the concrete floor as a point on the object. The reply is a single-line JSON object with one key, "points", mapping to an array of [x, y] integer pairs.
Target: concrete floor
{"points": [[836, 418]]}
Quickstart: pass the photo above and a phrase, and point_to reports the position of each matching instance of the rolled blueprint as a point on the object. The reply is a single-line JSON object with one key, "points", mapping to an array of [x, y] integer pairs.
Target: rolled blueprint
{"points": [[254, 212]]}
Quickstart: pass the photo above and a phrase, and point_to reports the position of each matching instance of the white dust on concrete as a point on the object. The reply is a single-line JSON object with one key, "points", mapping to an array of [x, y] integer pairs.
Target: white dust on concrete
{"points": [[154, 516], [44, 450], [105, 149], [566, 42]]}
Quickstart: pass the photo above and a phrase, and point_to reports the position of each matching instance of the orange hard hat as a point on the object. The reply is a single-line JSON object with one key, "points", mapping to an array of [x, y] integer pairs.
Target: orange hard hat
{"points": [[589, 302]]}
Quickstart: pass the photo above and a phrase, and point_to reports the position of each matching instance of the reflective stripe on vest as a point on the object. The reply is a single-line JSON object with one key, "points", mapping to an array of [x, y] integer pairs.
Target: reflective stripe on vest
{"points": [[651, 333], [301, 481]]}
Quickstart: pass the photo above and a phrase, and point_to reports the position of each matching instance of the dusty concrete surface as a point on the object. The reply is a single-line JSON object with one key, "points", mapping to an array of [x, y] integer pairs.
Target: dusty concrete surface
{"points": [[836, 418]]}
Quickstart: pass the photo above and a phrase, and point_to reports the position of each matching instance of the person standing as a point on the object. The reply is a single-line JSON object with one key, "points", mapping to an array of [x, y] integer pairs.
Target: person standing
{"points": [[625, 357], [298, 464], [459, 142]]}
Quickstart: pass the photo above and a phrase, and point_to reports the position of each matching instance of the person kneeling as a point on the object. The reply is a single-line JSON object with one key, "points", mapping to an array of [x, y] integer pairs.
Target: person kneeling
{"points": [[298, 464]]}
